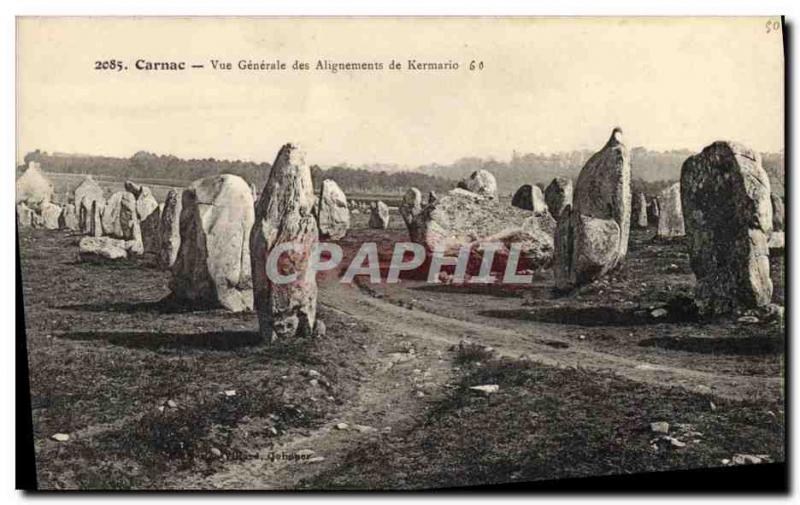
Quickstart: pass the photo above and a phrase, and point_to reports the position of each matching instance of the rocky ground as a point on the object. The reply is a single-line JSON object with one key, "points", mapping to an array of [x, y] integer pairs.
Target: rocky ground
{"points": [[616, 378]]}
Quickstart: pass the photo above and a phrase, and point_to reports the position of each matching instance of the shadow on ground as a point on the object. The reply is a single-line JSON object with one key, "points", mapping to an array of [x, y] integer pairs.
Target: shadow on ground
{"points": [[759, 345], [164, 306], [589, 316], [678, 310], [218, 340], [496, 290]]}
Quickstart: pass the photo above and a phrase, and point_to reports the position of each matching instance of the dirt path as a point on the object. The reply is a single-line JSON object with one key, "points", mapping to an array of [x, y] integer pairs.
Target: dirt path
{"points": [[541, 344], [390, 398], [393, 396]]}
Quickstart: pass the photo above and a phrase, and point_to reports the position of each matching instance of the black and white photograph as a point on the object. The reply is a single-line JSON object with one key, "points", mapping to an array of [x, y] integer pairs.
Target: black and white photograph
{"points": [[401, 253]]}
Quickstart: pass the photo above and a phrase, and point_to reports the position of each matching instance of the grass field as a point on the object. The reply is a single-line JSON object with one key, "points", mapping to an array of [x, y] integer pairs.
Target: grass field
{"points": [[140, 385]]}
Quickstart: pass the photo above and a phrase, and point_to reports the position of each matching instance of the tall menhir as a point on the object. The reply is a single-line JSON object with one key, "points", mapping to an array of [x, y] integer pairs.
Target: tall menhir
{"points": [[284, 217]]}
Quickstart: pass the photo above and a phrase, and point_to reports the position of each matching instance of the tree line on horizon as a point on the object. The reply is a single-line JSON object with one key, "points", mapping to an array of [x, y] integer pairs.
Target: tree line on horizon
{"points": [[651, 170]]}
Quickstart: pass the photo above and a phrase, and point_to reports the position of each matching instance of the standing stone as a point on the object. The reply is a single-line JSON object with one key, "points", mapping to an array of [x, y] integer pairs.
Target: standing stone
{"points": [[50, 213], [284, 215], [778, 213], [86, 213], [33, 187], [411, 205], [529, 197], [213, 263], [36, 220], [725, 194], [592, 238], [653, 212], [133, 188], [558, 195], [641, 212], [151, 233], [24, 215], [379, 215], [119, 215], [481, 182], [170, 229], [145, 203], [591, 243], [670, 217], [135, 243], [87, 192], [332, 211], [68, 220], [95, 219], [88, 187]]}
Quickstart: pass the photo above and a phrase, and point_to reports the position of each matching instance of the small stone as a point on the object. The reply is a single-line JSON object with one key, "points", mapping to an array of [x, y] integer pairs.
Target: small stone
{"points": [[419, 394], [774, 312], [230, 392], [726, 461], [748, 320], [400, 357], [313, 373], [712, 405], [405, 345], [675, 442], [216, 452], [364, 429], [171, 404], [659, 313], [581, 337], [60, 437], [660, 427], [273, 430], [314, 382], [342, 426], [486, 388], [746, 459], [161, 408]]}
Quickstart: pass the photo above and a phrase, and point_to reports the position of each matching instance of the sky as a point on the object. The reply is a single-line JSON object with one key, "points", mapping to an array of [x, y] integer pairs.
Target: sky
{"points": [[547, 85]]}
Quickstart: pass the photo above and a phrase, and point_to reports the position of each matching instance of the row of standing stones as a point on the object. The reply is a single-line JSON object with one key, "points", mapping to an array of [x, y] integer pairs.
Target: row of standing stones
{"points": [[215, 236], [722, 205]]}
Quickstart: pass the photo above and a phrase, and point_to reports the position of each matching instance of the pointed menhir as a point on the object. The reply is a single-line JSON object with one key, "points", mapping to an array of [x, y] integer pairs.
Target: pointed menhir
{"points": [[284, 283], [592, 234]]}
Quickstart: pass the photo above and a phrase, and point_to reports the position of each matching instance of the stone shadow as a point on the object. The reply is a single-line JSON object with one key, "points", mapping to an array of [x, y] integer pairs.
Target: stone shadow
{"points": [[215, 340], [167, 305], [589, 316], [760, 345]]}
